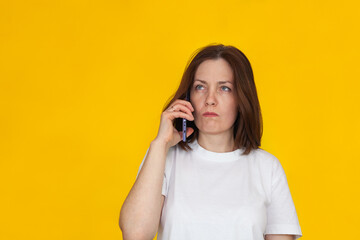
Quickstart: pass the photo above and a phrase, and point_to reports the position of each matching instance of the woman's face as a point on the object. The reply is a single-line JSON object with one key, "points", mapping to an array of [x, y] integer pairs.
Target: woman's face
{"points": [[213, 91]]}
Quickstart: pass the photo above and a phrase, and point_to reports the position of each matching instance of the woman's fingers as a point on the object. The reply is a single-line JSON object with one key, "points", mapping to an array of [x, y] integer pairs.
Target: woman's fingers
{"points": [[184, 103], [167, 132], [174, 115], [181, 108]]}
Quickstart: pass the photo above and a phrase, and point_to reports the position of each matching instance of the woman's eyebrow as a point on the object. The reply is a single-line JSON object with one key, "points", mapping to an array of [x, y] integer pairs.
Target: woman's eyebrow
{"points": [[219, 82]]}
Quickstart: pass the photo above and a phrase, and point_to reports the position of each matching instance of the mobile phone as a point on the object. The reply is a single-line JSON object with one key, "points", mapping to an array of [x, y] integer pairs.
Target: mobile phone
{"points": [[187, 98]]}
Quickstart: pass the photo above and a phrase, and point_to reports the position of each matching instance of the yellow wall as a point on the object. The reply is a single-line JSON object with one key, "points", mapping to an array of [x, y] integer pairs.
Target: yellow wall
{"points": [[82, 85]]}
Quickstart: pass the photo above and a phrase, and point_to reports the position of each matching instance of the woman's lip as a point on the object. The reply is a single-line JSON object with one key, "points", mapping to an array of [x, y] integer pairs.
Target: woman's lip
{"points": [[210, 114]]}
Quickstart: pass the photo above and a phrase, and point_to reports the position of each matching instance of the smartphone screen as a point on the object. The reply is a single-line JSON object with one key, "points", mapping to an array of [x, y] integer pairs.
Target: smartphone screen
{"points": [[187, 98]]}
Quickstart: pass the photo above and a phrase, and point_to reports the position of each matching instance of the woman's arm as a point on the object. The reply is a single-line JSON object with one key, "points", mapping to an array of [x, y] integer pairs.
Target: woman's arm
{"points": [[279, 237], [140, 213]]}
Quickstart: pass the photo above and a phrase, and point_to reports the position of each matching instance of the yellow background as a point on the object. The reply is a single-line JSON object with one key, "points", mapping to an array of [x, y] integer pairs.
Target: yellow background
{"points": [[82, 85]]}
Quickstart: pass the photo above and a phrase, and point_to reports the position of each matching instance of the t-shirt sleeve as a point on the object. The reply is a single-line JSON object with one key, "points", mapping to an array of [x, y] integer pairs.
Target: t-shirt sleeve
{"points": [[281, 213], [167, 171]]}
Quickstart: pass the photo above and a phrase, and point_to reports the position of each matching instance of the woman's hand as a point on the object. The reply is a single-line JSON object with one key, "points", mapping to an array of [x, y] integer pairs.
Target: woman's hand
{"points": [[167, 132]]}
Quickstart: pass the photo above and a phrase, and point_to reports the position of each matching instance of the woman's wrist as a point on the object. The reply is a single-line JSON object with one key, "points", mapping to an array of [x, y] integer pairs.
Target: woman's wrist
{"points": [[160, 143]]}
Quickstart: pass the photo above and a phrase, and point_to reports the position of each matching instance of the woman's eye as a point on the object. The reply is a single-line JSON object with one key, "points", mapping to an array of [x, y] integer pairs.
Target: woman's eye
{"points": [[196, 87], [227, 88]]}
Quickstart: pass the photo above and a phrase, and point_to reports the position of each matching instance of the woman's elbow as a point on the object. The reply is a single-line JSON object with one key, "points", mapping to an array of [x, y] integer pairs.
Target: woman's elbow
{"points": [[131, 235]]}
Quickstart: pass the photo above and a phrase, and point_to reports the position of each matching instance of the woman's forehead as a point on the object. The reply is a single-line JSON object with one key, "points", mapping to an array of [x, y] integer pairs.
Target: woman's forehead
{"points": [[218, 82]]}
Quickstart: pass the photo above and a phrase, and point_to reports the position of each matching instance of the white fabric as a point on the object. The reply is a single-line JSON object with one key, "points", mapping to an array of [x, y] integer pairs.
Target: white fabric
{"points": [[225, 196]]}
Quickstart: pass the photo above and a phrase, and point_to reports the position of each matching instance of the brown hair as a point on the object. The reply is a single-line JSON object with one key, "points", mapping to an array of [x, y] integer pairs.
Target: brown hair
{"points": [[248, 124]]}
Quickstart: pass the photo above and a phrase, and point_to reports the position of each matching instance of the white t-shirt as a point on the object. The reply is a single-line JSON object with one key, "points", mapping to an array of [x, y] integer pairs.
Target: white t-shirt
{"points": [[225, 196]]}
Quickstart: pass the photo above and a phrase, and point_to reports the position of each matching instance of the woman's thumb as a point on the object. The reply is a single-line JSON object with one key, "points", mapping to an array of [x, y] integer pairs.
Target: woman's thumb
{"points": [[189, 131]]}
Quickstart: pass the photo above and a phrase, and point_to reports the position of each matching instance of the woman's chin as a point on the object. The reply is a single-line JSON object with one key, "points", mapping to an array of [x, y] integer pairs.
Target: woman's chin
{"points": [[209, 130]]}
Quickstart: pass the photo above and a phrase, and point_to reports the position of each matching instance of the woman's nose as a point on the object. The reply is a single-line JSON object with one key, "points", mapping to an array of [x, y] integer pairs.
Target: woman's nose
{"points": [[210, 98]]}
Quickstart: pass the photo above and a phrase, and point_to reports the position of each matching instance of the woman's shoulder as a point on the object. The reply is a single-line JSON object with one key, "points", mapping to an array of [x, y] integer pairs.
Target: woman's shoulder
{"points": [[264, 156]]}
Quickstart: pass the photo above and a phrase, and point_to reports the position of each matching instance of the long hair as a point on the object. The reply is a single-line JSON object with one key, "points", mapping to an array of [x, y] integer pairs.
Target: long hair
{"points": [[248, 127]]}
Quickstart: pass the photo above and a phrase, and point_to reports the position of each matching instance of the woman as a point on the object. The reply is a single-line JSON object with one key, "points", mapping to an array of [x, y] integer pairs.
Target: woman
{"points": [[218, 184]]}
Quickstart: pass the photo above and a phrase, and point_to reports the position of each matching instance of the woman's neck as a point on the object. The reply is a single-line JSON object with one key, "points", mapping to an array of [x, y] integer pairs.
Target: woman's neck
{"points": [[216, 143]]}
